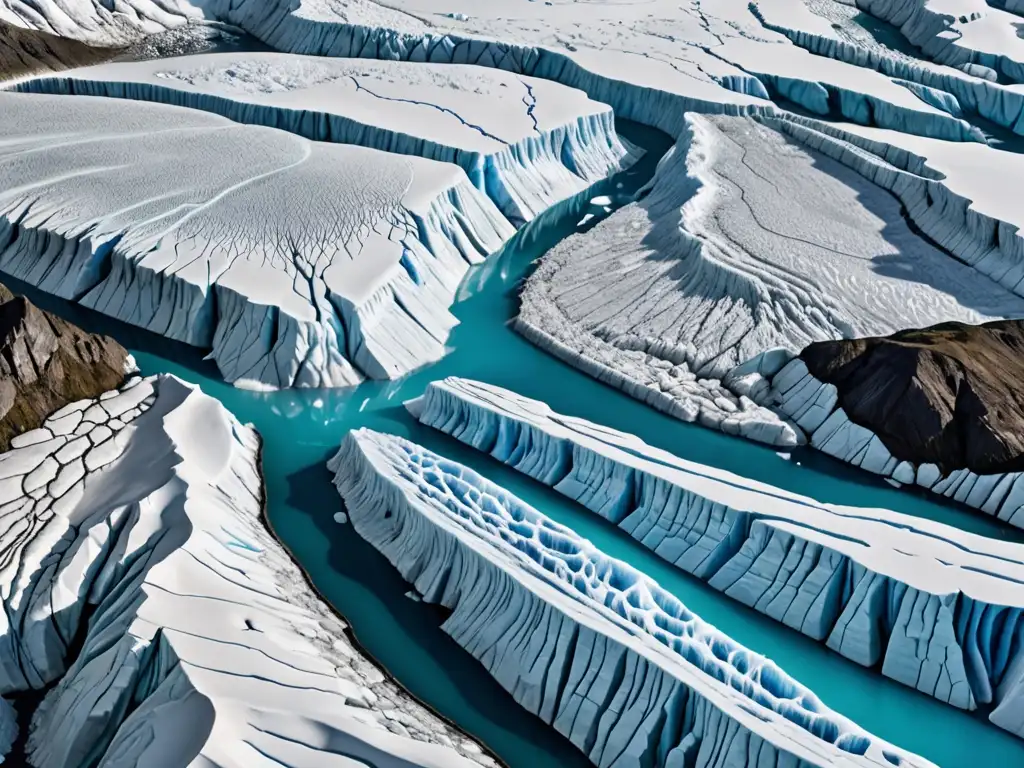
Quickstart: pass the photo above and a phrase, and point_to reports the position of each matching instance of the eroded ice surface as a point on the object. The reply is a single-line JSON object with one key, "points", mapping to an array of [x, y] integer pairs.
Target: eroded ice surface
{"points": [[528, 143], [749, 241], [296, 263], [937, 609], [592, 646], [134, 523]]}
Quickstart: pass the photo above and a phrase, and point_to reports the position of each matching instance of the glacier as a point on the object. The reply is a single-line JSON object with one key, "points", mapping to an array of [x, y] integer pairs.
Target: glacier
{"points": [[694, 296], [814, 406], [526, 143], [296, 263], [590, 645], [935, 608], [137, 576]]}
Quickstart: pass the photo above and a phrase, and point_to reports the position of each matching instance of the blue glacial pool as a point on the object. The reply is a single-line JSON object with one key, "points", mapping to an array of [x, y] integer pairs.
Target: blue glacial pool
{"points": [[301, 429]]}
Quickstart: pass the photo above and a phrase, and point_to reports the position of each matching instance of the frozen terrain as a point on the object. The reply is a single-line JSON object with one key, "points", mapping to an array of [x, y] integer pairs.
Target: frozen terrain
{"points": [[527, 143], [667, 297], [917, 599], [296, 263], [138, 576], [592, 646]]}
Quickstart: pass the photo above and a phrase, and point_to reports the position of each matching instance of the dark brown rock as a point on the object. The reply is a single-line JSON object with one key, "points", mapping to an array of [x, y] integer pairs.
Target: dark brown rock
{"points": [[25, 52], [951, 395], [46, 363]]}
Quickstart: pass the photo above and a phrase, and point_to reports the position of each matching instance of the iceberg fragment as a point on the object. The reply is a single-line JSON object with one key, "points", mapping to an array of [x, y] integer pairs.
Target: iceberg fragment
{"points": [[918, 598], [590, 645]]}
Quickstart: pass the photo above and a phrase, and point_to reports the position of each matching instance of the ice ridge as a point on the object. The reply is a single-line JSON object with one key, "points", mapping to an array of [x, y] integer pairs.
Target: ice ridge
{"points": [[593, 647], [919, 599], [525, 157]]}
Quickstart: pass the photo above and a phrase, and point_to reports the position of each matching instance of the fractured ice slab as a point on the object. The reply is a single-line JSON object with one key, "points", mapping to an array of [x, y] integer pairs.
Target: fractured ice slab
{"points": [[592, 646], [133, 522], [527, 143], [748, 241], [296, 263], [938, 609]]}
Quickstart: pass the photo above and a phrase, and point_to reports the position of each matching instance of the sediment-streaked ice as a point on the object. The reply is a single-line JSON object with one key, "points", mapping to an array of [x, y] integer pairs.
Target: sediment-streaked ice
{"points": [[935, 608], [296, 263], [527, 143], [592, 646], [137, 576]]}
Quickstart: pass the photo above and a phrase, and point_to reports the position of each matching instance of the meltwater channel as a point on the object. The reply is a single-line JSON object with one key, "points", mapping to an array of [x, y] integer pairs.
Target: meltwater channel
{"points": [[301, 429]]}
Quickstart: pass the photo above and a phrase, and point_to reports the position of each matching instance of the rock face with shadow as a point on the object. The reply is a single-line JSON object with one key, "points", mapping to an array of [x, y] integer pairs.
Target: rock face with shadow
{"points": [[46, 362], [27, 51], [947, 395]]}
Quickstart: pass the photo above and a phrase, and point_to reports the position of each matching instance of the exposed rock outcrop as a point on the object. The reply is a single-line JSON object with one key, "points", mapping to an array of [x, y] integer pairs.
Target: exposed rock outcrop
{"points": [[27, 51], [948, 395], [46, 362]]}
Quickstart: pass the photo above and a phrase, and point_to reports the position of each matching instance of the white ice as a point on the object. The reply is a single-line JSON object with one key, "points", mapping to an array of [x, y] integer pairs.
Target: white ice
{"points": [[590, 645], [935, 608], [750, 244], [297, 263], [133, 523], [527, 143]]}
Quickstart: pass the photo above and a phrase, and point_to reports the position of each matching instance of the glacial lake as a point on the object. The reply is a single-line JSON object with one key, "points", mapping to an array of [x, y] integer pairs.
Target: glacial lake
{"points": [[301, 429]]}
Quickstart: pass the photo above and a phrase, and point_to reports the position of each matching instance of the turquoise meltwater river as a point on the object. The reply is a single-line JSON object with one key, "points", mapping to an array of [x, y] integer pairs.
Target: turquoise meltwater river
{"points": [[301, 429]]}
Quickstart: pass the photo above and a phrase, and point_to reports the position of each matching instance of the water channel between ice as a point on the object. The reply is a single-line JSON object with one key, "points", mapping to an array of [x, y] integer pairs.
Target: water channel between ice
{"points": [[301, 429]]}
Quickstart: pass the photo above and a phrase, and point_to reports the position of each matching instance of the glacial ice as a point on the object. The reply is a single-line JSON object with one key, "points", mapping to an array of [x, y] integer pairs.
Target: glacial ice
{"points": [[814, 406], [526, 143], [296, 263], [590, 645], [133, 531], [938, 609], [676, 298]]}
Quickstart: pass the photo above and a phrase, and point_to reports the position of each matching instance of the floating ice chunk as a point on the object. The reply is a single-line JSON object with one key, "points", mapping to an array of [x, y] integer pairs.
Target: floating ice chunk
{"points": [[592, 646]]}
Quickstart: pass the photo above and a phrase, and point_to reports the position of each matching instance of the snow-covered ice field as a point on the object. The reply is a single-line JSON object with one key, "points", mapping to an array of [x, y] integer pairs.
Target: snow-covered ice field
{"points": [[527, 143], [296, 263]]}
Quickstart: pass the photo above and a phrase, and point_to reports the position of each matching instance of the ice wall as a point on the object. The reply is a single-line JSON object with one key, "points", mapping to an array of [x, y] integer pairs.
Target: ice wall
{"points": [[593, 647], [296, 263], [526, 143], [916, 598], [137, 575], [814, 406]]}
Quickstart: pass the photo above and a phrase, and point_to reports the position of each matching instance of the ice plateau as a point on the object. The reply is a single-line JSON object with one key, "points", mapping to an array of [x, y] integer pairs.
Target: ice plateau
{"points": [[296, 263], [590, 645], [527, 143], [933, 607], [137, 575], [716, 285]]}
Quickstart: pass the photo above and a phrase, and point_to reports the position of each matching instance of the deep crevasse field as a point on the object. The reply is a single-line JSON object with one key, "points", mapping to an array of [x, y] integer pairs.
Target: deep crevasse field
{"points": [[831, 177]]}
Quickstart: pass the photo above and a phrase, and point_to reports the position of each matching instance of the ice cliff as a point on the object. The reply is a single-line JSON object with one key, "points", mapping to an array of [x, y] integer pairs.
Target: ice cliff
{"points": [[693, 296], [526, 143], [933, 607], [137, 576], [296, 263], [590, 645]]}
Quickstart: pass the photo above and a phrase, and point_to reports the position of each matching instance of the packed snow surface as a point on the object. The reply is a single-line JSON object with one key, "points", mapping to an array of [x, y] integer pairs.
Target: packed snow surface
{"points": [[916, 598], [296, 263], [752, 240], [134, 528], [592, 646], [526, 142]]}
